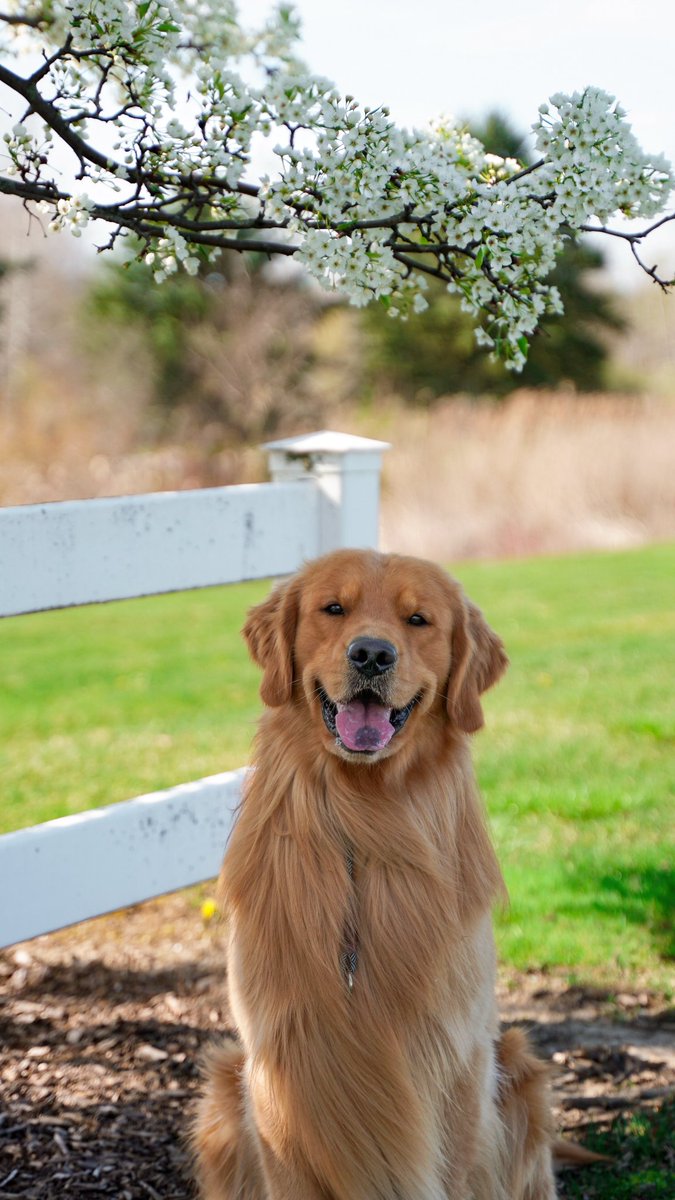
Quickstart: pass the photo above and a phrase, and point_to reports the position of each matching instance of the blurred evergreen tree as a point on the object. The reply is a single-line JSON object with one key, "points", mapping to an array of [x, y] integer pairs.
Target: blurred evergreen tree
{"points": [[435, 353]]}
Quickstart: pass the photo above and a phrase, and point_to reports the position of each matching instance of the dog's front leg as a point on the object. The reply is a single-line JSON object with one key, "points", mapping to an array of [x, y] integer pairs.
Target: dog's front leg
{"points": [[288, 1181]]}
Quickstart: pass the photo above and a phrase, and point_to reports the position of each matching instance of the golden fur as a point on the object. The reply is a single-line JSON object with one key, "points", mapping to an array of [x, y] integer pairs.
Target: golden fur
{"points": [[402, 1088]]}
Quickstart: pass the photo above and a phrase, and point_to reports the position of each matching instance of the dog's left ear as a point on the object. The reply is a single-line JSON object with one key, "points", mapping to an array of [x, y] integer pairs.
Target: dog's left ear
{"points": [[270, 633], [478, 660]]}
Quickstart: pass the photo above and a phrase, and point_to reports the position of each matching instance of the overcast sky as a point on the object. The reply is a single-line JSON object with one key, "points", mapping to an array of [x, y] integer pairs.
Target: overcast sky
{"points": [[425, 57]]}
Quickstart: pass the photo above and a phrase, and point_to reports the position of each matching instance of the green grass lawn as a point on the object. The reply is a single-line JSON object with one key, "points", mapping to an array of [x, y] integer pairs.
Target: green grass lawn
{"points": [[576, 763], [640, 1146]]}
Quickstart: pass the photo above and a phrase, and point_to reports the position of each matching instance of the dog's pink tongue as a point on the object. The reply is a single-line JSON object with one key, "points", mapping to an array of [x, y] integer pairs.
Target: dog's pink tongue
{"points": [[364, 726]]}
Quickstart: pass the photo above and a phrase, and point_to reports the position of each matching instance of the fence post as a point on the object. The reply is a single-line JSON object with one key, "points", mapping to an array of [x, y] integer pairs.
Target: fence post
{"points": [[347, 470]]}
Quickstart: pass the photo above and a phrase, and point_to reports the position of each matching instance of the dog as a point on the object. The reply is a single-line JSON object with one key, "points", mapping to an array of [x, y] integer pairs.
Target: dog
{"points": [[358, 884]]}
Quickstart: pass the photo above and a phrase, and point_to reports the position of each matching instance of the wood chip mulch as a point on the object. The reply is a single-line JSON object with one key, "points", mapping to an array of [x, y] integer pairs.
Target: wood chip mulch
{"points": [[101, 1028]]}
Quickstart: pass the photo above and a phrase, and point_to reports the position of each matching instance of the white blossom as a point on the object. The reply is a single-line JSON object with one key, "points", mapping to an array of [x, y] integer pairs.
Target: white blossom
{"points": [[364, 203]]}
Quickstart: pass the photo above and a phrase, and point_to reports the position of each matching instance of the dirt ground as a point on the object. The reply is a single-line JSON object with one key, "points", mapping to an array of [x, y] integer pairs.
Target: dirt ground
{"points": [[101, 1027]]}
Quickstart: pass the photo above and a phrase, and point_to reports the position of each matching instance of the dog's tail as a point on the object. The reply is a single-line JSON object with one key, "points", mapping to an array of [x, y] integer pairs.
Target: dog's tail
{"points": [[525, 1106], [570, 1154], [526, 1117], [227, 1165]]}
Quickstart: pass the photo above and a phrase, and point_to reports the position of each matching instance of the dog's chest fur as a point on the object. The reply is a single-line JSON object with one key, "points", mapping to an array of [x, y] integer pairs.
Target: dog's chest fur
{"points": [[380, 1057]]}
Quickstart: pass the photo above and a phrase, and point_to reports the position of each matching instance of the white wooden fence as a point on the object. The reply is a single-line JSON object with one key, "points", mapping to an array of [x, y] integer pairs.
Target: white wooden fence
{"points": [[324, 494]]}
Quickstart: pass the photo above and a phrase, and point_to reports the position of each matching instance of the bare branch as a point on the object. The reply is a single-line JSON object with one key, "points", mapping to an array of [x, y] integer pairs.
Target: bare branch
{"points": [[635, 239], [22, 19], [52, 117], [664, 284], [139, 220], [526, 170], [626, 234], [87, 153]]}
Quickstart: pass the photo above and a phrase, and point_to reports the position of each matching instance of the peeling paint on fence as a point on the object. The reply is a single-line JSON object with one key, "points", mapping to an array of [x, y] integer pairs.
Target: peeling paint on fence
{"points": [[108, 858], [84, 552]]}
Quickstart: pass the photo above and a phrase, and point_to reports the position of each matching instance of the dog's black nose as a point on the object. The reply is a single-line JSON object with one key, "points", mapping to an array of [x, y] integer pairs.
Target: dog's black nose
{"points": [[372, 656]]}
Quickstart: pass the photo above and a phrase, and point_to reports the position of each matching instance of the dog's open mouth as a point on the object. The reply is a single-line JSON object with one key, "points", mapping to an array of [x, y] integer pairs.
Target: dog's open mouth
{"points": [[364, 724]]}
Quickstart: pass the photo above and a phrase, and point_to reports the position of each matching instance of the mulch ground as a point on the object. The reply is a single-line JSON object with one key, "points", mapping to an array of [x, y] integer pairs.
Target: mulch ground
{"points": [[101, 1028]]}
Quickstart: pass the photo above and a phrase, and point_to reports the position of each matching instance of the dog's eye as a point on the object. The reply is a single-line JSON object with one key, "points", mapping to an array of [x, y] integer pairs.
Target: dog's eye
{"points": [[334, 610], [417, 619]]}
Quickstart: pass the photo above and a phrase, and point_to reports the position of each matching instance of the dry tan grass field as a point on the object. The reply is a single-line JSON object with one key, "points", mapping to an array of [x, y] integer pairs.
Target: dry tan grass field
{"points": [[539, 473]]}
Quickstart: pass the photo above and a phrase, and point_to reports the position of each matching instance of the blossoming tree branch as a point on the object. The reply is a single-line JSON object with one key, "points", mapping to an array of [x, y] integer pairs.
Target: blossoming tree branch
{"points": [[147, 115]]}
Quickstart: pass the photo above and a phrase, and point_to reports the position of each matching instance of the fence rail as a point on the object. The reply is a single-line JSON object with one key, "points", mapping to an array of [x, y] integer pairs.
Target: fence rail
{"points": [[324, 495], [57, 555], [108, 858]]}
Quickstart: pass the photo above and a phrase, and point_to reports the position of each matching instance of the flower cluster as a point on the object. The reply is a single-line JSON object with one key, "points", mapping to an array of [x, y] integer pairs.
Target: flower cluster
{"points": [[169, 253], [25, 150], [368, 208], [72, 213], [597, 165]]}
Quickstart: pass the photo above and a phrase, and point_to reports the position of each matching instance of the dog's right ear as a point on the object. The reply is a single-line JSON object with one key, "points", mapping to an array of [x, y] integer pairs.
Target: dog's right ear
{"points": [[478, 660], [270, 633]]}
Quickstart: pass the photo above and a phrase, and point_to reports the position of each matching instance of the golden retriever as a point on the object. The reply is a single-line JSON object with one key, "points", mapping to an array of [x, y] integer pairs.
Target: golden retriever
{"points": [[358, 886]]}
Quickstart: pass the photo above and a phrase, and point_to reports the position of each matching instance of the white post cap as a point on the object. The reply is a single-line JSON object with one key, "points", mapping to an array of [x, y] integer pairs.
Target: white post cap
{"points": [[291, 458], [327, 441], [347, 469]]}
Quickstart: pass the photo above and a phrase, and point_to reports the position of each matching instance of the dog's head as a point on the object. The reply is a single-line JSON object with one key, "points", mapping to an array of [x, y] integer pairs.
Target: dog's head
{"points": [[370, 644]]}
